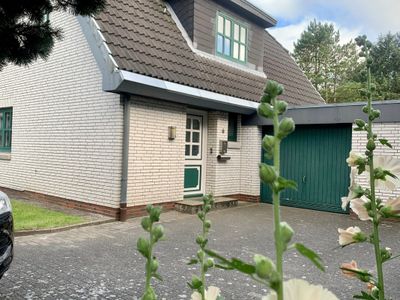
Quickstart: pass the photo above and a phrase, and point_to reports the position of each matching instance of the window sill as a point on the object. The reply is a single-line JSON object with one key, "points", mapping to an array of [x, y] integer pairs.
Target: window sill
{"points": [[233, 145], [5, 156]]}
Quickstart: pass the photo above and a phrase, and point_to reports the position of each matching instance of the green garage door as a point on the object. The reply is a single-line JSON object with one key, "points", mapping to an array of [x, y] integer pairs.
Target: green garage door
{"points": [[314, 156]]}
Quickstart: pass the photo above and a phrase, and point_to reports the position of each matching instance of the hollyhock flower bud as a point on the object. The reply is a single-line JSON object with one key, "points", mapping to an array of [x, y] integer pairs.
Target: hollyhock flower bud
{"points": [[351, 235], [286, 127], [143, 246], [267, 173], [347, 267], [264, 266], [158, 232], [266, 110], [286, 233], [281, 106], [273, 88], [371, 145], [146, 223], [268, 142], [360, 123], [154, 265]]}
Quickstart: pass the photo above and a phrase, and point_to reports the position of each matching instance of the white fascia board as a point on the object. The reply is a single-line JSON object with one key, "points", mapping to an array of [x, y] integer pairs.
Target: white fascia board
{"points": [[183, 93]]}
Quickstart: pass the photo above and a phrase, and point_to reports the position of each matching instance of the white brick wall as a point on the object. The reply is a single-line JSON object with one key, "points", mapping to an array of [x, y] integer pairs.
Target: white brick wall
{"points": [[251, 137], [390, 131], [156, 164], [239, 175], [67, 132]]}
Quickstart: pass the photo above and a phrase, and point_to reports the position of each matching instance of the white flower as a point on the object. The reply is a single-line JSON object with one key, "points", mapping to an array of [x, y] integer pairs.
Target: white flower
{"points": [[358, 206], [297, 289], [352, 159], [351, 195], [392, 205], [211, 294], [349, 236], [392, 165]]}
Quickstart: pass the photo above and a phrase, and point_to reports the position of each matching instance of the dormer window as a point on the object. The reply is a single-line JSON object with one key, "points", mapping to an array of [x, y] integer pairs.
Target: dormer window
{"points": [[231, 39]]}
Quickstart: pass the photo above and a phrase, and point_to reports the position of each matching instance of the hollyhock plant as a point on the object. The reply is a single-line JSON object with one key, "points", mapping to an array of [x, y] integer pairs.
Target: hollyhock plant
{"points": [[384, 172]]}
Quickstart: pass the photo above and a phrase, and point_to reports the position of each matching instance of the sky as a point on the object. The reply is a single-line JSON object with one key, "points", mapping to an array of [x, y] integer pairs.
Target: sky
{"points": [[351, 17]]}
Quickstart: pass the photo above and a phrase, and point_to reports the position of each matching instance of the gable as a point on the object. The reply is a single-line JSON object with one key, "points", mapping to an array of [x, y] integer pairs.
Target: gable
{"points": [[144, 38]]}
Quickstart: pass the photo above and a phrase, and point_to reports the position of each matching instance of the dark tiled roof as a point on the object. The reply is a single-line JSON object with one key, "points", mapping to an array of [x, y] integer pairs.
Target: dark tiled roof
{"points": [[280, 66], [144, 39]]}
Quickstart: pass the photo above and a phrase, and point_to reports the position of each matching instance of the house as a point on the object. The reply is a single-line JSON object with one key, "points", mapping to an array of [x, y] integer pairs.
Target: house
{"points": [[144, 104]]}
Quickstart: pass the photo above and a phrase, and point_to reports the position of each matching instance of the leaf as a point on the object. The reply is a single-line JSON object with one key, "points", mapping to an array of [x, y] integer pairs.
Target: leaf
{"points": [[193, 261], [364, 295], [311, 255], [385, 142], [284, 183], [243, 266], [158, 276], [233, 264], [216, 255]]}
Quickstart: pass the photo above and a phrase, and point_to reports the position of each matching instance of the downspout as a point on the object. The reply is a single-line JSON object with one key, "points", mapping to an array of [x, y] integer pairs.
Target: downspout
{"points": [[125, 157]]}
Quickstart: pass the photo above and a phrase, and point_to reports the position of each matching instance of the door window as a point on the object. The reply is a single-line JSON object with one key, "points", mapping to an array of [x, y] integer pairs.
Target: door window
{"points": [[193, 137]]}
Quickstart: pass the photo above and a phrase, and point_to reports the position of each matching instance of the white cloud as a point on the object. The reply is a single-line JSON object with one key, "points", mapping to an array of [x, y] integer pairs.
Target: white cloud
{"points": [[286, 9], [371, 17], [287, 35]]}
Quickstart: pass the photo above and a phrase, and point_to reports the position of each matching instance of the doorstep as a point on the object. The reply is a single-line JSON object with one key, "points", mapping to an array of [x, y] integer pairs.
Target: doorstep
{"points": [[193, 205]]}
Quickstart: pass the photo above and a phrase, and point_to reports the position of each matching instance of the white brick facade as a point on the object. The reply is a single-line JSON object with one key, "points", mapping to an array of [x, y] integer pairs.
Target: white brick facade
{"points": [[390, 131], [156, 164], [67, 132]]}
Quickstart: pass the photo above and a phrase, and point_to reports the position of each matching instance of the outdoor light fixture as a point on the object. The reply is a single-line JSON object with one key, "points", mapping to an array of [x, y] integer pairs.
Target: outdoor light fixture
{"points": [[171, 132]]}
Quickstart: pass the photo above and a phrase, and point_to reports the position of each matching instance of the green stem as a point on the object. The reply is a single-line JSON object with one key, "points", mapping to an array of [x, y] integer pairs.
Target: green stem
{"points": [[276, 203], [203, 271], [149, 261], [376, 240]]}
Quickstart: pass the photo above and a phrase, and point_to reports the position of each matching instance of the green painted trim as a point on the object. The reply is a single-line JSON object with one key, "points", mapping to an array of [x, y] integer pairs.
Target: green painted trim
{"points": [[3, 129], [199, 170], [231, 38], [193, 195]]}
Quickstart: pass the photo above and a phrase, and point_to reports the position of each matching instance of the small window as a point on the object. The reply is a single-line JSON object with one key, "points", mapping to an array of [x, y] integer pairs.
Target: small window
{"points": [[232, 127], [5, 129], [231, 39]]}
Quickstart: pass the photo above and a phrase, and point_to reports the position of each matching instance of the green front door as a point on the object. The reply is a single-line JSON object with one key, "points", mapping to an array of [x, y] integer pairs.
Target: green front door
{"points": [[194, 154], [315, 157]]}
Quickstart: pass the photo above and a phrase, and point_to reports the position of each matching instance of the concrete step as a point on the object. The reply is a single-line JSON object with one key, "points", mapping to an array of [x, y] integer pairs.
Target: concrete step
{"points": [[193, 205]]}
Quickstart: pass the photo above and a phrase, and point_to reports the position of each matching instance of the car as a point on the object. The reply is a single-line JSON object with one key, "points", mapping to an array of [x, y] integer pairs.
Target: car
{"points": [[6, 233]]}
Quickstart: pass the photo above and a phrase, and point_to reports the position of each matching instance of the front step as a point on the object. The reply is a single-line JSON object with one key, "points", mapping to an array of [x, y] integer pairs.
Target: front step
{"points": [[193, 205]]}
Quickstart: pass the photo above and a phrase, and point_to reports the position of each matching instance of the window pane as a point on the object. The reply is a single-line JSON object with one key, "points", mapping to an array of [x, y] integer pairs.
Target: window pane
{"points": [[236, 50], [196, 124], [227, 46], [1, 139], [220, 24], [220, 44], [8, 120], [1, 120], [236, 32], [242, 34], [187, 136], [196, 137], [195, 150], [187, 150], [227, 28], [232, 127], [188, 123], [242, 53], [7, 139]]}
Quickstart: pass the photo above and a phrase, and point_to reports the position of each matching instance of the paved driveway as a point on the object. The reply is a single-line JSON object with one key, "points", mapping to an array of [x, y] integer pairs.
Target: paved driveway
{"points": [[101, 262]]}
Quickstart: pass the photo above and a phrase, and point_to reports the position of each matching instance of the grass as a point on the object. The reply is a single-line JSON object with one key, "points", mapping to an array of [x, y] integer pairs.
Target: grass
{"points": [[30, 216]]}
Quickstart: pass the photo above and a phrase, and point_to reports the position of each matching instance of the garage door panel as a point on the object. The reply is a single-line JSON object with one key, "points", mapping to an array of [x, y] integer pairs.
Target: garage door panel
{"points": [[314, 156]]}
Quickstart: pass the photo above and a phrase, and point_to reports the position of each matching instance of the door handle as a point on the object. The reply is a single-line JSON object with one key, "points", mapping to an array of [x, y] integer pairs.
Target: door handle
{"points": [[304, 179]]}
